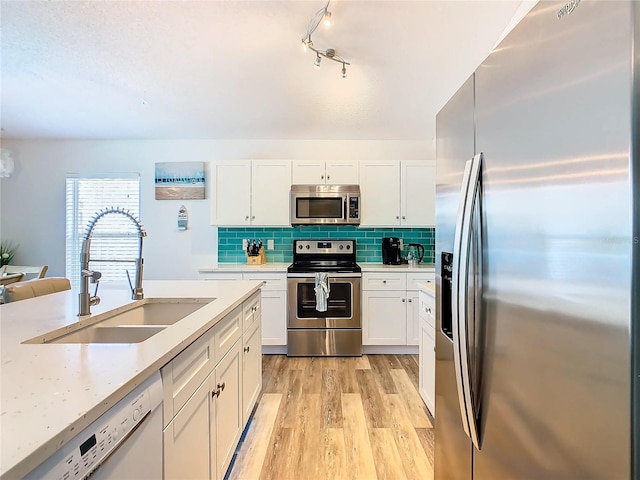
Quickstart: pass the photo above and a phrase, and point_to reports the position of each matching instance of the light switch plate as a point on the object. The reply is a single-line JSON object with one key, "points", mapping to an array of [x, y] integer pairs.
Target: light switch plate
{"points": [[270, 245]]}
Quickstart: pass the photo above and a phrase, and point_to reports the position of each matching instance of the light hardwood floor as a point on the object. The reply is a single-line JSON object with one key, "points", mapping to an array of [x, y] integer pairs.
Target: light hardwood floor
{"points": [[356, 418]]}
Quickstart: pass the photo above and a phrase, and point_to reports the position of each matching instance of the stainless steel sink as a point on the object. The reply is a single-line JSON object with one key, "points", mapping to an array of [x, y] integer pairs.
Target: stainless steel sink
{"points": [[100, 334], [156, 312], [133, 323]]}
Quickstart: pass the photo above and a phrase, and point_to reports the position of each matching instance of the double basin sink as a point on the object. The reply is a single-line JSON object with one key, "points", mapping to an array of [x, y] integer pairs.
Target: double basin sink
{"points": [[134, 323]]}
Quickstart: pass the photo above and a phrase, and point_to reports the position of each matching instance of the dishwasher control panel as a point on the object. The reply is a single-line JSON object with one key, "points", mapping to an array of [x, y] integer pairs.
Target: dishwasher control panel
{"points": [[81, 456]]}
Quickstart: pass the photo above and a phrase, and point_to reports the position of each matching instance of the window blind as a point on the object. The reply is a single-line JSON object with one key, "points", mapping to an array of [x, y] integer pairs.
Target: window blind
{"points": [[115, 240]]}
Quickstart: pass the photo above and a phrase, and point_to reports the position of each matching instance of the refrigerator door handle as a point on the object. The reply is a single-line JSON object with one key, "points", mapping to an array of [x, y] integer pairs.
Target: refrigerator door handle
{"points": [[459, 295]]}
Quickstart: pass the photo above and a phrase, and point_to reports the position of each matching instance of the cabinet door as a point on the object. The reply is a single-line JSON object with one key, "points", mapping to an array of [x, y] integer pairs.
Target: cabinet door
{"points": [[342, 173], [251, 369], [308, 172], [274, 317], [227, 408], [380, 193], [413, 318], [270, 187], [186, 439], [418, 193], [384, 315], [231, 183], [427, 367]]}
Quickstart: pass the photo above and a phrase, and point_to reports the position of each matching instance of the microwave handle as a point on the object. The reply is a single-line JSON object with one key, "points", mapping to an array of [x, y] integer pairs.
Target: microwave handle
{"points": [[345, 208]]}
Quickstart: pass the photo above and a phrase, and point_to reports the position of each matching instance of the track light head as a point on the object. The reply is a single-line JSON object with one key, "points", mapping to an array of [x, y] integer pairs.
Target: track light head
{"points": [[327, 19], [317, 62]]}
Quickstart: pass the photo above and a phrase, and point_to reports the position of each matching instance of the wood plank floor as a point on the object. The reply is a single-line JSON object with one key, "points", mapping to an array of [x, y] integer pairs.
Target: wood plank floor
{"points": [[331, 418]]}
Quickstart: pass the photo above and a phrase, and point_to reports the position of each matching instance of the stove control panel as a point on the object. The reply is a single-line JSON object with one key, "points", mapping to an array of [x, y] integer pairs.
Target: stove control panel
{"points": [[324, 247]]}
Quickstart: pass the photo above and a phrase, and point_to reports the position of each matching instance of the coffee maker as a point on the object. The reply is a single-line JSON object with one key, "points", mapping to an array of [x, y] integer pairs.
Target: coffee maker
{"points": [[391, 251]]}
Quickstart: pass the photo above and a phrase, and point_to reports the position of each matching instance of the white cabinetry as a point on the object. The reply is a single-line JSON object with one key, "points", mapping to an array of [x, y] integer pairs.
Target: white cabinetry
{"points": [[398, 193], [273, 301], [390, 307], [427, 352], [251, 192], [317, 172], [204, 406], [417, 193], [380, 193]]}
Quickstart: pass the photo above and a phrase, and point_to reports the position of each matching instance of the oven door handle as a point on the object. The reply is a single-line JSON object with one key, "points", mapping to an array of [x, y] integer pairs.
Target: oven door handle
{"points": [[331, 275]]}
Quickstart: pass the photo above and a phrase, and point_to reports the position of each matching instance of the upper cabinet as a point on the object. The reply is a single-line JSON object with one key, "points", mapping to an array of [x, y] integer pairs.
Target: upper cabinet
{"points": [[398, 193], [250, 193], [418, 193], [318, 172]]}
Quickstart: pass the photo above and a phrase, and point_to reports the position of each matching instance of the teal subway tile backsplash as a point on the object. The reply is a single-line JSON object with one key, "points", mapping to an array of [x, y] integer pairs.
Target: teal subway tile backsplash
{"points": [[368, 241]]}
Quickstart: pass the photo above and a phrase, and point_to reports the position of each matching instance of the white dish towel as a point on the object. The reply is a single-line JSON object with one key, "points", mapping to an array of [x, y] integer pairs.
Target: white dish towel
{"points": [[322, 291]]}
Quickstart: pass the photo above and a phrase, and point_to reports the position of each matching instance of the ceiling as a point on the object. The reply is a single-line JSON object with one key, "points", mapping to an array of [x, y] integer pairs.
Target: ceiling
{"points": [[235, 69]]}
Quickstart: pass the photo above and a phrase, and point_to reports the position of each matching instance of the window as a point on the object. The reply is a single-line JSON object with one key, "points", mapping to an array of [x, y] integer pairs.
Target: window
{"points": [[115, 240]]}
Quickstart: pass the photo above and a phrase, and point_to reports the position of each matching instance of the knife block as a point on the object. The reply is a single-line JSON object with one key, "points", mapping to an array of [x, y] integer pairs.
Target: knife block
{"points": [[257, 259]]}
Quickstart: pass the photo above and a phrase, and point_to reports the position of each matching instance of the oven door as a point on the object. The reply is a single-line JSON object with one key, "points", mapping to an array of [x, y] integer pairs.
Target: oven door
{"points": [[343, 304]]}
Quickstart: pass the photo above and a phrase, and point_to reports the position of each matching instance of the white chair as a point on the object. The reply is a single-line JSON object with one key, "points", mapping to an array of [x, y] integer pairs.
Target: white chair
{"points": [[27, 271]]}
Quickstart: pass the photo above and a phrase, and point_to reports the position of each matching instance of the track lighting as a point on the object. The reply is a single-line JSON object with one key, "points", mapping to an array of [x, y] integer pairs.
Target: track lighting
{"points": [[327, 18], [322, 15]]}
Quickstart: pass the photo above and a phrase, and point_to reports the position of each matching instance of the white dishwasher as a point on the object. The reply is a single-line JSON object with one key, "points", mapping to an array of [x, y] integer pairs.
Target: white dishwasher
{"points": [[124, 443]]}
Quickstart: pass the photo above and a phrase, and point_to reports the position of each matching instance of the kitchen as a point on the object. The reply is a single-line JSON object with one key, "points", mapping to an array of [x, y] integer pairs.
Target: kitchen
{"points": [[176, 254]]}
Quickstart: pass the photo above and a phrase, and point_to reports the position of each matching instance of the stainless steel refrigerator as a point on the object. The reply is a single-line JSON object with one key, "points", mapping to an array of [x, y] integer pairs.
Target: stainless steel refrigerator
{"points": [[538, 254]]}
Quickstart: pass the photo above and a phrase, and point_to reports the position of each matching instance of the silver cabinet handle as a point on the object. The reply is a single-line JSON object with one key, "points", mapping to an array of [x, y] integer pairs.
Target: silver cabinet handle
{"points": [[215, 393], [397, 217], [246, 349], [328, 177], [247, 217], [384, 281], [253, 217], [321, 177], [410, 300], [403, 217], [403, 300], [221, 385]]}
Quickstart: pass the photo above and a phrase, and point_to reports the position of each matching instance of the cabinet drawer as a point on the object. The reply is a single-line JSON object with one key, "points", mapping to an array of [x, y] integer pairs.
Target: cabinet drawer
{"points": [[413, 279], [226, 332], [272, 281], [384, 281], [183, 375], [251, 311], [219, 276], [427, 308]]}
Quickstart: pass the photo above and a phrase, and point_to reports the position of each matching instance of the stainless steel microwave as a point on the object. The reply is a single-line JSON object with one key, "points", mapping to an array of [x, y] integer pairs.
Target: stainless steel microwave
{"points": [[325, 204]]}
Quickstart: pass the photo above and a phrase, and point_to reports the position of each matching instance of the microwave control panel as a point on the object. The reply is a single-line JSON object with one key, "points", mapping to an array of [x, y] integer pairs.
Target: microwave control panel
{"points": [[354, 208]]}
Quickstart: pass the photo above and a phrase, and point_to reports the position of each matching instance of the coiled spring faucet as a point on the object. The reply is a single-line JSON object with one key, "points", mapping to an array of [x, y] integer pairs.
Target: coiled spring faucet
{"points": [[86, 300]]}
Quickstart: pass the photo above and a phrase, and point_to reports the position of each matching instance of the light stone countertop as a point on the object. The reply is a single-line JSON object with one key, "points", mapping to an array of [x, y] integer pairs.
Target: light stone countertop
{"points": [[246, 268], [50, 392], [282, 268], [428, 287], [380, 267]]}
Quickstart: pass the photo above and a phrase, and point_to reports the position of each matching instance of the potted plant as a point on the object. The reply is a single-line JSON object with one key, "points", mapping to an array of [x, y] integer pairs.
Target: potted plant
{"points": [[7, 251]]}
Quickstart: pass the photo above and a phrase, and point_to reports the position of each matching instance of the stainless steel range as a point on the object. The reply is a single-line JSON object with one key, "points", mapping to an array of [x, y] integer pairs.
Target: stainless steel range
{"points": [[337, 331]]}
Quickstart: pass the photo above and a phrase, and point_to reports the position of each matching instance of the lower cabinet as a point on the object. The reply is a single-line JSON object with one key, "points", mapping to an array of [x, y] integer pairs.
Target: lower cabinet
{"points": [[427, 352], [203, 423], [390, 307], [226, 409], [186, 439], [252, 369]]}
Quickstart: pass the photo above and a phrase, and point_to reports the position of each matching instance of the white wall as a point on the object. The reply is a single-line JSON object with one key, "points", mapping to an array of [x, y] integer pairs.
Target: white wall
{"points": [[32, 205]]}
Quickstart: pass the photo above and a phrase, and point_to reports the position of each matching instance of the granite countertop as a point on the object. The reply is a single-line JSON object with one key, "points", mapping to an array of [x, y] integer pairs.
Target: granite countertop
{"points": [[282, 267], [245, 268], [428, 287], [380, 267], [50, 392]]}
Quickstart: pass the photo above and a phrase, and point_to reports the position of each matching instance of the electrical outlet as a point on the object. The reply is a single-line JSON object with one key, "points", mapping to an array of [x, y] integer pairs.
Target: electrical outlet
{"points": [[270, 245], [245, 244]]}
